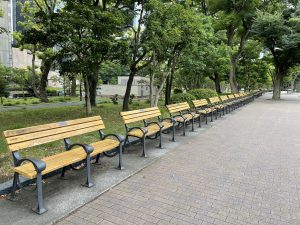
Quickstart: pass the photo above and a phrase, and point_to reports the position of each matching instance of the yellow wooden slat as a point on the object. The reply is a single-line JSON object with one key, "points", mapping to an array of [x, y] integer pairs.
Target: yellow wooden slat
{"points": [[60, 160], [138, 111], [55, 131], [199, 103], [44, 140], [142, 117], [27, 130]]}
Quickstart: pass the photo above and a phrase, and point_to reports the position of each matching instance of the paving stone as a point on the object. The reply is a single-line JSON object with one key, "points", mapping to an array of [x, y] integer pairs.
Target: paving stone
{"points": [[244, 170]]}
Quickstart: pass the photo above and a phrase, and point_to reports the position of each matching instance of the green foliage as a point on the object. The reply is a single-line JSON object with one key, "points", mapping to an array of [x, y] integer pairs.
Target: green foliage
{"points": [[183, 97], [115, 99], [203, 93], [132, 96], [110, 71], [177, 91]]}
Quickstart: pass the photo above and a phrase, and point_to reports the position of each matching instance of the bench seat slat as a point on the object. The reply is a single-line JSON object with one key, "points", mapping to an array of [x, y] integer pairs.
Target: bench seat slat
{"points": [[66, 158], [152, 129]]}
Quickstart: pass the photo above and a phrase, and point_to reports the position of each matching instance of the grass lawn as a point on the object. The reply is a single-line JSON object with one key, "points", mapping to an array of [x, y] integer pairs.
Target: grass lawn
{"points": [[24, 118]]}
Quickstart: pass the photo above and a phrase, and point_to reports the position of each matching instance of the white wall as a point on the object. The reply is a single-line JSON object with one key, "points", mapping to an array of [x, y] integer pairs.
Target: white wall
{"points": [[110, 90]]}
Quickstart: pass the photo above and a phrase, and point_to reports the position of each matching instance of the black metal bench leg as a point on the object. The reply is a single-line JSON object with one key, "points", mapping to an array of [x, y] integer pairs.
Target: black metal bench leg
{"points": [[206, 118], [40, 207], [200, 120], [173, 133], [14, 186], [211, 116], [88, 182], [193, 121], [184, 128], [160, 139], [120, 167], [144, 147]]}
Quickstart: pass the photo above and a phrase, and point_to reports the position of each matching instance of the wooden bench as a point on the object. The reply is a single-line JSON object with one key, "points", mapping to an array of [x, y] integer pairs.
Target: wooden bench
{"points": [[25, 138], [150, 129], [182, 114], [202, 107], [233, 101], [227, 102], [217, 104]]}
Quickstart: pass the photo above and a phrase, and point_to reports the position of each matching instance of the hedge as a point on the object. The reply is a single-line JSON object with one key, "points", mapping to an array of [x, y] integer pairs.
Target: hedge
{"points": [[182, 97], [203, 93]]}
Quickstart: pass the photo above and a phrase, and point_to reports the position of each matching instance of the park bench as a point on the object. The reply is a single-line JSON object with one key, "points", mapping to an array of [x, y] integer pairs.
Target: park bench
{"points": [[217, 104], [182, 114], [226, 102], [202, 107], [75, 153], [234, 101], [150, 129]]}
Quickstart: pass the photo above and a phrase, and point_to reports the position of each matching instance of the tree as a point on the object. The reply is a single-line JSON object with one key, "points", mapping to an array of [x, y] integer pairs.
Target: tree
{"points": [[280, 34], [4, 75], [86, 32], [236, 18], [37, 36], [252, 71]]}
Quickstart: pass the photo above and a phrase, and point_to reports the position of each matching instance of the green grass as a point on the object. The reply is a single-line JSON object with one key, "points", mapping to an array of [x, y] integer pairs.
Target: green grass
{"points": [[34, 101], [24, 118]]}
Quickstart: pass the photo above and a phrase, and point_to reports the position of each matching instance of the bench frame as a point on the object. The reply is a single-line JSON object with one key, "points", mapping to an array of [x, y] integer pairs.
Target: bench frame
{"points": [[40, 165], [144, 129], [182, 113]]}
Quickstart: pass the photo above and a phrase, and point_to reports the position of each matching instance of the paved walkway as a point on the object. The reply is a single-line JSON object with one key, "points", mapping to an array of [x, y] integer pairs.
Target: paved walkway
{"points": [[244, 170]]}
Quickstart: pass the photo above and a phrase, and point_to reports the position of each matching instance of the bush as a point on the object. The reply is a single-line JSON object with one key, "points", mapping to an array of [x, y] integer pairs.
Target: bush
{"points": [[177, 91], [203, 93], [131, 97], [115, 99], [182, 97], [51, 91]]}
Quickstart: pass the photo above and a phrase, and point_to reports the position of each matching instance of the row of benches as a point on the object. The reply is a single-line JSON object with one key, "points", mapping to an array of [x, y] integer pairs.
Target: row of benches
{"points": [[110, 145]]}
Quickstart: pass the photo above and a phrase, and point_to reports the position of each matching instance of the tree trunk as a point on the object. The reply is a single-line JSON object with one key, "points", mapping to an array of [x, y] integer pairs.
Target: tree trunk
{"points": [[93, 82], [34, 88], [73, 87], [128, 90], [151, 89], [88, 105], [80, 89], [217, 83], [168, 90], [232, 75], [157, 94], [45, 69], [277, 83]]}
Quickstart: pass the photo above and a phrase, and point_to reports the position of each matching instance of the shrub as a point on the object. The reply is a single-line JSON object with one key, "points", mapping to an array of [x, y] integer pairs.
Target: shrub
{"points": [[34, 102], [115, 99], [203, 93], [131, 97], [182, 97], [177, 91]]}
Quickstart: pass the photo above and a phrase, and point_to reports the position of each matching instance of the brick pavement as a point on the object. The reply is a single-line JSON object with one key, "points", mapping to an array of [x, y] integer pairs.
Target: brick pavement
{"points": [[245, 170]]}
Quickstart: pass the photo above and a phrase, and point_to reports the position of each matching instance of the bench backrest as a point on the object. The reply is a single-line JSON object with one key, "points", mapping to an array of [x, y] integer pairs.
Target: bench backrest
{"points": [[214, 100], [231, 96], [178, 107], [224, 98], [140, 115], [200, 103], [23, 138]]}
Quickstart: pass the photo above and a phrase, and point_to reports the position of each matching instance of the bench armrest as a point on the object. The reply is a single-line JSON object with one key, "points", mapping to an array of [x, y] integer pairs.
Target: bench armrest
{"points": [[119, 137], [184, 119], [87, 148], [38, 164], [143, 129], [168, 119], [156, 123]]}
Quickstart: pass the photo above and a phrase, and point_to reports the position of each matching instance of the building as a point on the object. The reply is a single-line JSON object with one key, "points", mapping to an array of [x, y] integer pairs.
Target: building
{"points": [[6, 38], [140, 87]]}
